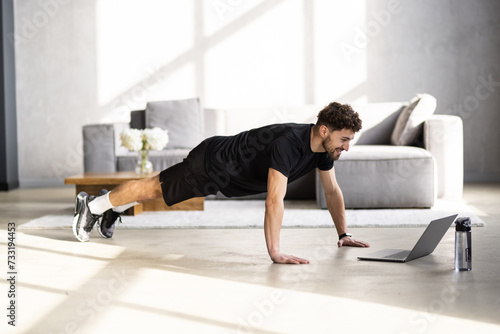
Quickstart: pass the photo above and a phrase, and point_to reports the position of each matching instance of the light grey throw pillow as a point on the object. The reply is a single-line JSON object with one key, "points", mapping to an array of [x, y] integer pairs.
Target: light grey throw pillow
{"points": [[183, 119], [409, 124]]}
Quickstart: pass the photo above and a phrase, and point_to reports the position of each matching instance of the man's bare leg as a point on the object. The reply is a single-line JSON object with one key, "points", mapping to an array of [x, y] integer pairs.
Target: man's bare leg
{"points": [[136, 191]]}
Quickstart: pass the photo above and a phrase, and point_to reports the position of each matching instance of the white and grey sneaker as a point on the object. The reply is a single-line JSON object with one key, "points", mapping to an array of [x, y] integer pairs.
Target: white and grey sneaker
{"points": [[84, 220]]}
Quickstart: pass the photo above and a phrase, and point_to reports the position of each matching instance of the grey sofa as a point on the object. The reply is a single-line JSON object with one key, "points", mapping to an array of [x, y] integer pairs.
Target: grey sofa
{"points": [[375, 173], [182, 118]]}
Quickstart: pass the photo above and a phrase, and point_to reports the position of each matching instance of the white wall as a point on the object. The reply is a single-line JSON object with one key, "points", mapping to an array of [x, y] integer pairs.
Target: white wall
{"points": [[90, 61]]}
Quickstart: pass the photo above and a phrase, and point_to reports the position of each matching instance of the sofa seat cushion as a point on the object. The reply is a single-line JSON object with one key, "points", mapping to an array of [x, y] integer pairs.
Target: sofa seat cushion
{"points": [[160, 159], [377, 176]]}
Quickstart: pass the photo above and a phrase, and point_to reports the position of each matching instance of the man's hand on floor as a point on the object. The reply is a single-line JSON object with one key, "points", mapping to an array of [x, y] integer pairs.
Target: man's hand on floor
{"points": [[348, 241], [289, 259]]}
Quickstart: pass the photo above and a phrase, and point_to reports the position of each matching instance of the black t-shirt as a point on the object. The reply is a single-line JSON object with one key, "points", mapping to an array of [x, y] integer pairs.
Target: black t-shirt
{"points": [[240, 164]]}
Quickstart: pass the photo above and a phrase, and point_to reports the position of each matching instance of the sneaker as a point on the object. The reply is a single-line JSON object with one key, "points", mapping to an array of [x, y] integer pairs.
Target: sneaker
{"points": [[106, 225], [84, 220]]}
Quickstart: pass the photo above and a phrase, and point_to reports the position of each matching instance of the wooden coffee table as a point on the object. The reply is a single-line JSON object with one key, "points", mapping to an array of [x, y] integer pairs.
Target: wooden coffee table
{"points": [[92, 183]]}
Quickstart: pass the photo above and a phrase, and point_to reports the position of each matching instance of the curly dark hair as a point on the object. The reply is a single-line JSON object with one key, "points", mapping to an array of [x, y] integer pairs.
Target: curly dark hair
{"points": [[338, 116]]}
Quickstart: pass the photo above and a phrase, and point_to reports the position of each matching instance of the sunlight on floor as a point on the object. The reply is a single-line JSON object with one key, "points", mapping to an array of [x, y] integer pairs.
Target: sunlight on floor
{"points": [[89, 250], [46, 275], [191, 304], [477, 211], [70, 287]]}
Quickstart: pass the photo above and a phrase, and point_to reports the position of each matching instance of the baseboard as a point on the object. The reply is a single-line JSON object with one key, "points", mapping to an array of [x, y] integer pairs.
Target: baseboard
{"points": [[6, 186], [481, 177], [41, 183]]}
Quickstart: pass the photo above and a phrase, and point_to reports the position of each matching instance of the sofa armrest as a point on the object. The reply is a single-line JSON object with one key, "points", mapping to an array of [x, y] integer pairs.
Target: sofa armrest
{"points": [[101, 143], [443, 137]]}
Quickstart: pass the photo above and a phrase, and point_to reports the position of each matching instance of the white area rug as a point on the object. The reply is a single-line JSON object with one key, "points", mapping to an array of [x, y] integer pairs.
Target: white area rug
{"points": [[250, 214]]}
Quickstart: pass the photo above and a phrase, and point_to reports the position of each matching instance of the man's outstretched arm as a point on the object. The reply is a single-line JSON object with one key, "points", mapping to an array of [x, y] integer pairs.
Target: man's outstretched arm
{"points": [[335, 205], [276, 190]]}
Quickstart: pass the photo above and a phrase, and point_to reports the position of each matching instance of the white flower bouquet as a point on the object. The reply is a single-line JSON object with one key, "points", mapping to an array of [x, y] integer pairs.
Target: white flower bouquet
{"points": [[143, 141], [147, 139]]}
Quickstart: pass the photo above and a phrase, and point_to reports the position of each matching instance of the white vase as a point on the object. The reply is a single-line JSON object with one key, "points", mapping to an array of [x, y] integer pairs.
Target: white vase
{"points": [[143, 166]]}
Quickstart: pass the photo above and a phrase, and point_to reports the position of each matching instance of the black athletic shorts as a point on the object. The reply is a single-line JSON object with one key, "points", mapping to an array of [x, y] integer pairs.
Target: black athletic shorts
{"points": [[188, 178]]}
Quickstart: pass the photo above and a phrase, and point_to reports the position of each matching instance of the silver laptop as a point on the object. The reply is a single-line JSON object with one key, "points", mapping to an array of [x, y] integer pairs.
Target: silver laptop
{"points": [[431, 237]]}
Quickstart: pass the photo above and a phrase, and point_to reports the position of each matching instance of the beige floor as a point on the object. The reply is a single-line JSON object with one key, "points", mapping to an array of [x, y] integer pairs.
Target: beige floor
{"points": [[221, 281]]}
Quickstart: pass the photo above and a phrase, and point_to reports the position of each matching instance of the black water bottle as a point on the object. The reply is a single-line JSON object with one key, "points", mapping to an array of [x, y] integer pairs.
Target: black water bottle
{"points": [[463, 245]]}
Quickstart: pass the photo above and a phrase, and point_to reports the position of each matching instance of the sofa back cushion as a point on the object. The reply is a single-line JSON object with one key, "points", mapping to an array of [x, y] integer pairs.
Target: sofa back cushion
{"points": [[138, 119], [231, 121], [410, 122], [378, 119], [183, 119]]}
